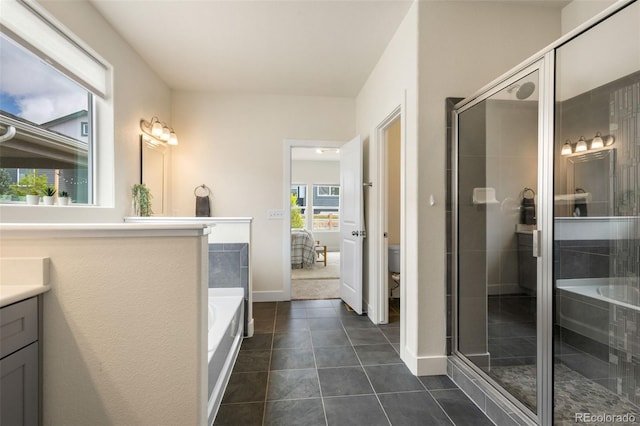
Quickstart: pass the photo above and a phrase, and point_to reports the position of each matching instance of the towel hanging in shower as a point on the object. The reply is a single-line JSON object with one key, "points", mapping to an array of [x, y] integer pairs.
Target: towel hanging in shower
{"points": [[580, 204], [528, 207], [203, 203]]}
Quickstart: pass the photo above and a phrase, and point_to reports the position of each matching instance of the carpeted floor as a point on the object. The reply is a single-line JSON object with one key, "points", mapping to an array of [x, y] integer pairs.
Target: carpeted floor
{"points": [[317, 281]]}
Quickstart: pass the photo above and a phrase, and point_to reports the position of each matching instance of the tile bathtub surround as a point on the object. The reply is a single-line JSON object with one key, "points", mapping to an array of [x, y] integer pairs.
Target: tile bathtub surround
{"points": [[312, 362], [229, 267]]}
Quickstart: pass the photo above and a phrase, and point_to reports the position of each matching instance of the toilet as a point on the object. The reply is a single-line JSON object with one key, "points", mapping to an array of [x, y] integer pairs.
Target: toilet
{"points": [[394, 263]]}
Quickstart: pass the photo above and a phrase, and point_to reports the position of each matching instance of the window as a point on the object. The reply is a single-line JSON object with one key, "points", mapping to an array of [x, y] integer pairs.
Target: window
{"points": [[324, 204], [326, 208], [48, 91], [327, 190], [298, 206]]}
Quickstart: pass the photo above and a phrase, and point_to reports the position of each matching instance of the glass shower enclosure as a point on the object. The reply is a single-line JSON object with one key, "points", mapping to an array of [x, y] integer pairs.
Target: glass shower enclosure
{"points": [[547, 229]]}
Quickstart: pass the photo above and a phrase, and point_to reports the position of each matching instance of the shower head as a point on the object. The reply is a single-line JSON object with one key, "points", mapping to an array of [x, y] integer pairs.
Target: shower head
{"points": [[523, 91]]}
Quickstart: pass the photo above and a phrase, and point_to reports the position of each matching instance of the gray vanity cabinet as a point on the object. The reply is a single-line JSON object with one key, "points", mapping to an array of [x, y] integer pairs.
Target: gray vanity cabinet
{"points": [[19, 363]]}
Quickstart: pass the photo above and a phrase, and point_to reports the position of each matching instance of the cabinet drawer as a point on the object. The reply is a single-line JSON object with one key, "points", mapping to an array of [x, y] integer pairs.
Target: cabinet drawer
{"points": [[19, 387], [18, 325]]}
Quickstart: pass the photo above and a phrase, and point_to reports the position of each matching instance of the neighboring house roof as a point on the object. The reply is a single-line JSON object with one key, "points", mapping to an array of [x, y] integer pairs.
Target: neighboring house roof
{"points": [[65, 118]]}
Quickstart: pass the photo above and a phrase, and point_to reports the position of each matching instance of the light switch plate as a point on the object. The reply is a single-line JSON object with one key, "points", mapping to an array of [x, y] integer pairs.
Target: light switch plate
{"points": [[275, 214]]}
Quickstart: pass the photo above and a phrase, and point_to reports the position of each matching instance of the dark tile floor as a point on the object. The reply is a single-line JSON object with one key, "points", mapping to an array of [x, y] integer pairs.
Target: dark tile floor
{"points": [[312, 362]]}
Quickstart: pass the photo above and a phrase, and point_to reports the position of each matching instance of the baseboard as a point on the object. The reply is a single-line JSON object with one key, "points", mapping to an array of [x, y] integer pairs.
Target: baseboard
{"points": [[250, 328], [268, 296], [425, 365]]}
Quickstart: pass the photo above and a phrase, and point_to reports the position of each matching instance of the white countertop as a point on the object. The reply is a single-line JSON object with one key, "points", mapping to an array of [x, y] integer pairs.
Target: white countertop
{"points": [[14, 293], [100, 230], [23, 277]]}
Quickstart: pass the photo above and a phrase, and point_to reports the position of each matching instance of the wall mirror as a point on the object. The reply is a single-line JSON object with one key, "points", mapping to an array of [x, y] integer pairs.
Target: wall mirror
{"points": [[591, 179], [153, 171]]}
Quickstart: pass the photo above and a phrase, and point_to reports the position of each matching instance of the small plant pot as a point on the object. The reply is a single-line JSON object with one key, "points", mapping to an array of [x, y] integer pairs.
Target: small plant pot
{"points": [[63, 201], [33, 200], [48, 200]]}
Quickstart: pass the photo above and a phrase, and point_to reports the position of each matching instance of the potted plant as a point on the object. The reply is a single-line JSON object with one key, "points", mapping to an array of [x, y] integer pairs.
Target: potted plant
{"points": [[33, 197], [31, 186], [141, 200], [49, 193], [63, 198]]}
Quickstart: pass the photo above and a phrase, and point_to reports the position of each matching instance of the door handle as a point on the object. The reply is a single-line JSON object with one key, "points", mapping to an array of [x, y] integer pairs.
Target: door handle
{"points": [[536, 243], [355, 233]]}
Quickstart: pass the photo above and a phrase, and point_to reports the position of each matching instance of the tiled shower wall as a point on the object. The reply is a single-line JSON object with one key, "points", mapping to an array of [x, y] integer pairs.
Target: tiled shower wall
{"points": [[624, 323], [229, 267], [612, 109]]}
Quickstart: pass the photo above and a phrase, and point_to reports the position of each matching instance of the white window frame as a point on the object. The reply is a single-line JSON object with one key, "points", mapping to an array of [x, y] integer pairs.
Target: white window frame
{"points": [[331, 188], [38, 31]]}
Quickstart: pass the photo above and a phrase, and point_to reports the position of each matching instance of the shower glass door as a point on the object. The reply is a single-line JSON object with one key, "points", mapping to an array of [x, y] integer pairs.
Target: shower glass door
{"points": [[497, 183], [597, 224]]}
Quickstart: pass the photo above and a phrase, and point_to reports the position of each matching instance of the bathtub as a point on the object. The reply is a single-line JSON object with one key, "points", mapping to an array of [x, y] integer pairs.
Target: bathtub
{"points": [[225, 322], [584, 304]]}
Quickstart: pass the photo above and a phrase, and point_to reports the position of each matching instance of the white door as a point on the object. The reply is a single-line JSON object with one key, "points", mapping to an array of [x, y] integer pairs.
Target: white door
{"points": [[351, 224]]}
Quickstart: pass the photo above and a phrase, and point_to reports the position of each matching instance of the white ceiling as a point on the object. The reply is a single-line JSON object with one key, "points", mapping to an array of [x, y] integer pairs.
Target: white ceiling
{"points": [[315, 154], [300, 47]]}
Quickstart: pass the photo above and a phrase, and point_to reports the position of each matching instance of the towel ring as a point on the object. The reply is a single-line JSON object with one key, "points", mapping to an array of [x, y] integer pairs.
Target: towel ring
{"points": [[525, 190], [204, 187]]}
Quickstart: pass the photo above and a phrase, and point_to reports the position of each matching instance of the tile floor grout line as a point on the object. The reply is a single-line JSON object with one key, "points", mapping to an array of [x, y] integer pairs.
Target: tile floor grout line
{"points": [[315, 363], [307, 329], [366, 375], [438, 404], [266, 391]]}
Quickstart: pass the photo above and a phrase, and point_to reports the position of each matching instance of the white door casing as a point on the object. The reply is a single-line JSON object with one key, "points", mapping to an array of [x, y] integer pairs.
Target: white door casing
{"points": [[351, 224]]}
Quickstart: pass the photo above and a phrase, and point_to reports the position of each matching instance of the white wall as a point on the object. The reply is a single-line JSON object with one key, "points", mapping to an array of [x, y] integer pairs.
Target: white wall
{"points": [[315, 172], [578, 12], [137, 93], [393, 83], [233, 143], [393, 182], [124, 326], [580, 68], [463, 46]]}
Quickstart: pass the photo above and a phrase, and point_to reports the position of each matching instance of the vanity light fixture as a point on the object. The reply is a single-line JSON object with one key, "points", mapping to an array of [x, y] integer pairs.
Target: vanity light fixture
{"points": [[159, 131], [581, 146], [173, 139], [566, 148], [597, 141]]}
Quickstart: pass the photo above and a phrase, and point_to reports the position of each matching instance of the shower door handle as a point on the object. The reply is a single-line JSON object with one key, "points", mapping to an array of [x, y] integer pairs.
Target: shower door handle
{"points": [[537, 234]]}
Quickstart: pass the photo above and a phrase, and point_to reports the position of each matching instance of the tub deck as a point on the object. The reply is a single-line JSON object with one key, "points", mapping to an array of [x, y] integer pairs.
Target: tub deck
{"points": [[224, 339]]}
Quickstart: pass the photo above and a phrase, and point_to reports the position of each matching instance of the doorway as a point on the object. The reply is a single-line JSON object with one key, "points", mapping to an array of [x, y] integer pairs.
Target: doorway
{"points": [[392, 277], [385, 216], [312, 185], [315, 223]]}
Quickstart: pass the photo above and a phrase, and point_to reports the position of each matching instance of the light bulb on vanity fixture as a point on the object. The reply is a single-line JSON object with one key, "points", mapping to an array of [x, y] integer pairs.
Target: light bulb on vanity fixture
{"points": [[597, 141], [156, 127], [159, 131], [173, 139], [566, 148], [581, 146]]}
